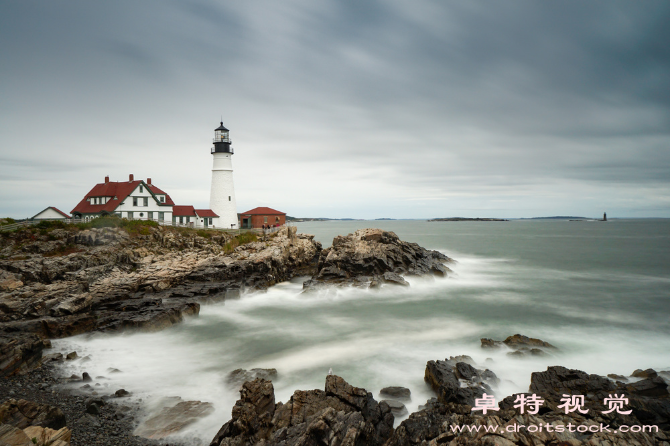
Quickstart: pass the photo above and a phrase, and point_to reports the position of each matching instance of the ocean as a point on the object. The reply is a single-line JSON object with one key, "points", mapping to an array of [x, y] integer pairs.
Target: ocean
{"points": [[599, 291]]}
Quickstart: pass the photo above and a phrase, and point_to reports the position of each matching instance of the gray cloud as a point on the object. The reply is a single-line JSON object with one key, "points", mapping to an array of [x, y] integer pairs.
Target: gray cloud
{"points": [[360, 109]]}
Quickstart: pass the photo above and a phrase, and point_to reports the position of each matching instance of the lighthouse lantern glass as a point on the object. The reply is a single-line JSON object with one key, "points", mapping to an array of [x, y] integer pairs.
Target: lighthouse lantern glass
{"points": [[221, 135]]}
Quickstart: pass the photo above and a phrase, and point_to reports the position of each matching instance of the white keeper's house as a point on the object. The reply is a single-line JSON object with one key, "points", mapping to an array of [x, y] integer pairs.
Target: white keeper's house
{"points": [[140, 200]]}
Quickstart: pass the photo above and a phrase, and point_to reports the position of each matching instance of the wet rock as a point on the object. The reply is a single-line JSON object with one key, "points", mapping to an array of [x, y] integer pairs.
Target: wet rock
{"points": [[70, 356], [443, 377], [522, 345], [394, 279], [121, 393], [517, 341], [342, 414], [173, 419], [397, 408], [375, 254], [85, 377], [239, 376], [396, 393], [617, 377], [649, 373]]}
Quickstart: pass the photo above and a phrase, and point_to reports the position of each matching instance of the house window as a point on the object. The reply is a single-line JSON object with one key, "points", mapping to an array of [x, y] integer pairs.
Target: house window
{"points": [[141, 189], [146, 201], [141, 214], [265, 219], [181, 220], [229, 198], [134, 201], [161, 216], [150, 215], [118, 214], [210, 221], [162, 199], [130, 215], [276, 219]]}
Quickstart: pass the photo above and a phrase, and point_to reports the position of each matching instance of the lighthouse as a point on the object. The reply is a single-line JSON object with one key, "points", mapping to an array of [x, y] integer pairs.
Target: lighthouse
{"points": [[222, 194]]}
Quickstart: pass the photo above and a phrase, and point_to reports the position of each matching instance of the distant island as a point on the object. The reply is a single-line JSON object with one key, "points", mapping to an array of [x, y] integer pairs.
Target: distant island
{"points": [[559, 217], [467, 219], [384, 219], [300, 219]]}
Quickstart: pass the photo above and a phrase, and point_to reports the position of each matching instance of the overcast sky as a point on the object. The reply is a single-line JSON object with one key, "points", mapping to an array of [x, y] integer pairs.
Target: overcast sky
{"points": [[363, 109]]}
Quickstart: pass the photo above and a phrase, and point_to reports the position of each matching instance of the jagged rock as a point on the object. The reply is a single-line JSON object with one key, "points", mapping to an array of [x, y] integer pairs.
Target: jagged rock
{"points": [[114, 282], [445, 379], [85, 377], [70, 356], [396, 392], [342, 414], [377, 255], [19, 353], [22, 413], [173, 419], [239, 376]]}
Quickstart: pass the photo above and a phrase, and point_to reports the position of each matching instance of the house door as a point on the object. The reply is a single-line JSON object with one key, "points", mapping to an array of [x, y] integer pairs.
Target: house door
{"points": [[205, 221]]}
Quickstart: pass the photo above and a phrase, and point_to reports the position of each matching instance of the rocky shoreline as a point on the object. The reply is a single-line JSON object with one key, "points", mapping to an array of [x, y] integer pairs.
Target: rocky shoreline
{"points": [[114, 280], [342, 414], [60, 281]]}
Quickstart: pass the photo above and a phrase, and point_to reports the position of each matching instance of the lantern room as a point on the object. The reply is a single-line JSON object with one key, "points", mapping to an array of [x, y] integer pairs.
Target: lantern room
{"points": [[221, 140]]}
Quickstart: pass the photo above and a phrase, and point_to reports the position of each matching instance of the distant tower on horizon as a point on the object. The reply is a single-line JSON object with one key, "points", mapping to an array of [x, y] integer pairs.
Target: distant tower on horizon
{"points": [[222, 195], [605, 216]]}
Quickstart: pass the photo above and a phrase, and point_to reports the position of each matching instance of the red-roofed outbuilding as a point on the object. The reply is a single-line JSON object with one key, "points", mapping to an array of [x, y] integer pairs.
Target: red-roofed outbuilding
{"points": [[261, 216]]}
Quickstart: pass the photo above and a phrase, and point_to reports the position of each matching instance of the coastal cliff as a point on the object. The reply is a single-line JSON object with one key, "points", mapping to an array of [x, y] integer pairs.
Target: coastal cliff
{"points": [[65, 282], [62, 281]]}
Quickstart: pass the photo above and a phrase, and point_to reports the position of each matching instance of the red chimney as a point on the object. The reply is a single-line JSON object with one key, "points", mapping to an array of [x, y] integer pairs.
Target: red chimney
{"points": [[148, 180], [131, 177], [107, 179]]}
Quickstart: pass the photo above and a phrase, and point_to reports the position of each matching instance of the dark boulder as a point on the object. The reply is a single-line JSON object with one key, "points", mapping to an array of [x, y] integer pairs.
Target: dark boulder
{"points": [[396, 393]]}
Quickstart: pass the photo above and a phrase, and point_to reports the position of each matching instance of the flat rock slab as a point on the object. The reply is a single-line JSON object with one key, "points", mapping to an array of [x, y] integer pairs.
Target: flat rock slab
{"points": [[398, 409], [171, 420]]}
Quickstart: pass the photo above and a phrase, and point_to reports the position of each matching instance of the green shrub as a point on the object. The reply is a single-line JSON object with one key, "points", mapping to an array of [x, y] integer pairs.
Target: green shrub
{"points": [[242, 239], [50, 224]]}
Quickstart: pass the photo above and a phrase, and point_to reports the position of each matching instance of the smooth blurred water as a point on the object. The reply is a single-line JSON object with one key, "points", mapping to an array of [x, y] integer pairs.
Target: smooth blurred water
{"points": [[599, 291]]}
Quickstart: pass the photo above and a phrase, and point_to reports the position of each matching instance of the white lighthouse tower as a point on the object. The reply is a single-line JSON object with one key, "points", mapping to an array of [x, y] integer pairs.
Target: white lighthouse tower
{"points": [[222, 195]]}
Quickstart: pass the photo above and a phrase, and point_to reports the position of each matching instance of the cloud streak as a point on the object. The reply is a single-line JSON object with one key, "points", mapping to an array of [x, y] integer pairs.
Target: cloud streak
{"points": [[343, 109]]}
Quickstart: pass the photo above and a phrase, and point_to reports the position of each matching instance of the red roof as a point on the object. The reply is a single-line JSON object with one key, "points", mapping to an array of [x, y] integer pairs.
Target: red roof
{"points": [[118, 189], [205, 213], [183, 211], [55, 209], [60, 212], [157, 191], [263, 211]]}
